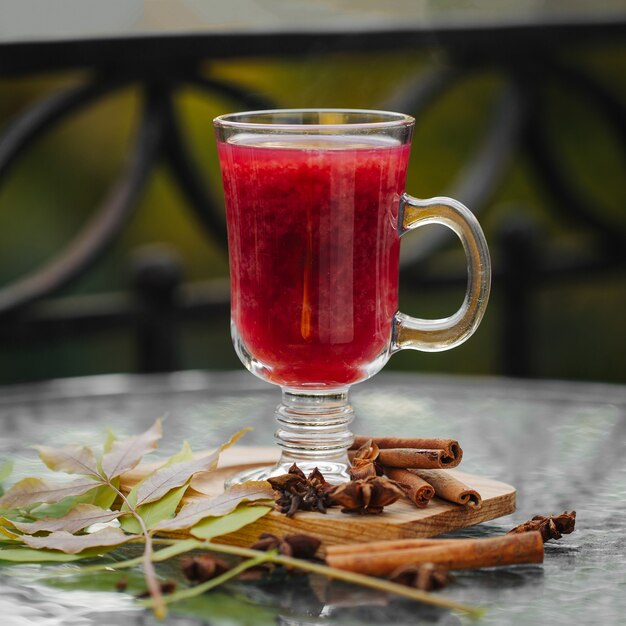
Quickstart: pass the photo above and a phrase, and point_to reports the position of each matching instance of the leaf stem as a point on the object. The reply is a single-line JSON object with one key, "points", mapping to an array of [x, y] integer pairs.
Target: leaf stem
{"points": [[174, 548], [160, 610], [380, 584], [187, 545], [191, 592], [350, 577]]}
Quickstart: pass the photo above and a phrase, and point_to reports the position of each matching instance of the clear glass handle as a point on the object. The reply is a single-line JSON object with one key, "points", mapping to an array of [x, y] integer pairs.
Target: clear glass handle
{"points": [[442, 334]]}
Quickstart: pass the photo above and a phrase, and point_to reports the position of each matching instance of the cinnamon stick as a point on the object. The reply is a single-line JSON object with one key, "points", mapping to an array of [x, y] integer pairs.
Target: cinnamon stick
{"points": [[453, 554], [388, 545], [365, 462], [452, 452], [415, 488], [450, 488], [416, 458]]}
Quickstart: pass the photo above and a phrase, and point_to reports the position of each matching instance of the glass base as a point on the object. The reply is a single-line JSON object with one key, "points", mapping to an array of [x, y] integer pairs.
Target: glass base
{"points": [[334, 473], [312, 432]]}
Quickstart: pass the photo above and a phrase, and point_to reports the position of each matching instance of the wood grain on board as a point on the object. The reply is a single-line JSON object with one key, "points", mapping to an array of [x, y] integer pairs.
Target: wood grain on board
{"points": [[399, 521]]}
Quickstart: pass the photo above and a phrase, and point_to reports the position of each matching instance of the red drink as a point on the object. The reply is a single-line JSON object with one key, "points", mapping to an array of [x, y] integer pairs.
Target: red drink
{"points": [[314, 249]]}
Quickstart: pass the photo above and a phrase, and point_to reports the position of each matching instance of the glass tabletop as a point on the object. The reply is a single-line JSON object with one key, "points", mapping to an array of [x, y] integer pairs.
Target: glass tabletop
{"points": [[562, 445]]}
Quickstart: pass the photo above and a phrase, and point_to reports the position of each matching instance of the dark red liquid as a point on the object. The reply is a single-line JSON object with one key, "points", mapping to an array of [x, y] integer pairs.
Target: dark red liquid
{"points": [[314, 248]]}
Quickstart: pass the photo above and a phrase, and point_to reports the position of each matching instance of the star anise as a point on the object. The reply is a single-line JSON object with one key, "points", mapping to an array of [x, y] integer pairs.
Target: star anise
{"points": [[365, 462], [550, 527], [203, 567], [299, 546], [426, 576], [296, 492], [368, 495]]}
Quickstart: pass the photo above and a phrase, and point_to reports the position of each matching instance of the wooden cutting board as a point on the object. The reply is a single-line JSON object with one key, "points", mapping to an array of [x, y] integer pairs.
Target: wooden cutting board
{"points": [[399, 521]]}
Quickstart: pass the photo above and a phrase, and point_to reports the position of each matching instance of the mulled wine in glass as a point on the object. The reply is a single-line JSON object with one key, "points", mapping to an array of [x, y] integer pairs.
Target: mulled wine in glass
{"points": [[315, 208]]}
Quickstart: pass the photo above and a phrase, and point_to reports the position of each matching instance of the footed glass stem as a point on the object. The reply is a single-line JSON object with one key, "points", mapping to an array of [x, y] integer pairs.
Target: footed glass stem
{"points": [[312, 432]]}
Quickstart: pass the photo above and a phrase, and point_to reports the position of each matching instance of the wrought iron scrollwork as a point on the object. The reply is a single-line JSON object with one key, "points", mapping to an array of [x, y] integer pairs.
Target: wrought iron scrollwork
{"points": [[517, 123], [158, 135]]}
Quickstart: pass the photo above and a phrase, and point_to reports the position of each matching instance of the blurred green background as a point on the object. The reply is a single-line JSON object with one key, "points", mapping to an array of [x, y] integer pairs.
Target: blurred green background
{"points": [[578, 327]]}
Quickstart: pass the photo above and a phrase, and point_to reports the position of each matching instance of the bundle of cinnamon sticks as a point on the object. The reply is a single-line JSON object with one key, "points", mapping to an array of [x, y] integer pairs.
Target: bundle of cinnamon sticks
{"points": [[418, 465]]}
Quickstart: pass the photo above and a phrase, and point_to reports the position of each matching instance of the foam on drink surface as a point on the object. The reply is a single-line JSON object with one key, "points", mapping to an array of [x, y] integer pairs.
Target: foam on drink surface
{"points": [[314, 142]]}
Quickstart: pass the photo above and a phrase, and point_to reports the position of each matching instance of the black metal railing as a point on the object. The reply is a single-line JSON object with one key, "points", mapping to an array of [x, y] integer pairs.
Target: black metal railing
{"points": [[161, 301]]}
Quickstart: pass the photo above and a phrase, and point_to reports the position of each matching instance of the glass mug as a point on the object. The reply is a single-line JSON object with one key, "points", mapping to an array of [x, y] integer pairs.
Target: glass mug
{"points": [[315, 209]]}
